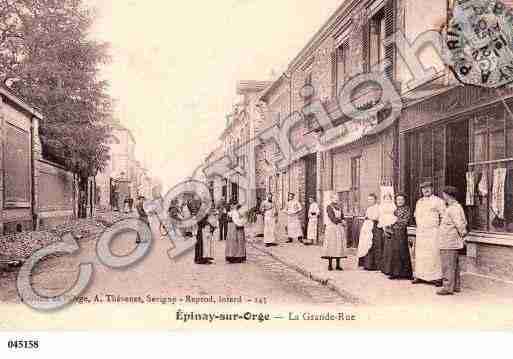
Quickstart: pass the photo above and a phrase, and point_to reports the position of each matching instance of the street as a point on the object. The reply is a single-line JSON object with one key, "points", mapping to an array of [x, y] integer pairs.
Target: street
{"points": [[261, 279]]}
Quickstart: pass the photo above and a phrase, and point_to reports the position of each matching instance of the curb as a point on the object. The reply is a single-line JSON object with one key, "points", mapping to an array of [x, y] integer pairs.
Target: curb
{"points": [[306, 273]]}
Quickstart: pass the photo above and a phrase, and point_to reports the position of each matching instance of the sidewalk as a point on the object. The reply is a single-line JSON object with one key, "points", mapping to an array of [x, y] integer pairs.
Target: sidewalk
{"points": [[373, 288]]}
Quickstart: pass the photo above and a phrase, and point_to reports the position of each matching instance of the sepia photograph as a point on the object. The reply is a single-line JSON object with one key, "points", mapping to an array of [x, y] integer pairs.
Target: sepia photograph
{"points": [[240, 165]]}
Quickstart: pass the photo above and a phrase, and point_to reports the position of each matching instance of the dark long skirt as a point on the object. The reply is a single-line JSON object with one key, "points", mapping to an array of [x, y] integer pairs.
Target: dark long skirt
{"points": [[198, 249], [372, 261], [401, 262], [386, 263], [235, 251]]}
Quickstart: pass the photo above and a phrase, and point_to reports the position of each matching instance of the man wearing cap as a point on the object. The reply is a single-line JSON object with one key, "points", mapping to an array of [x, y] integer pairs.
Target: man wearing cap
{"points": [[428, 212], [453, 231]]}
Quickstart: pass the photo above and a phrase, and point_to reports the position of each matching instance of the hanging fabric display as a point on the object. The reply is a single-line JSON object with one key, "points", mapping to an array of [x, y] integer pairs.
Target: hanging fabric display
{"points": [[471, 188], [499, 180], [483, 185]]}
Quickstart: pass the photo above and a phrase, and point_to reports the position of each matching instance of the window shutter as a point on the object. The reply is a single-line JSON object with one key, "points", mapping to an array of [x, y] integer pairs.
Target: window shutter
{"points": [[390, 29], [366, 46], [334, 70], [346, 54]]}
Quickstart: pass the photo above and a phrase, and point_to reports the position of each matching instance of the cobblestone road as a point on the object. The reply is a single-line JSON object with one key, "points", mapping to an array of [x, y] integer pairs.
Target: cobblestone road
{"points": [[156, 275]]}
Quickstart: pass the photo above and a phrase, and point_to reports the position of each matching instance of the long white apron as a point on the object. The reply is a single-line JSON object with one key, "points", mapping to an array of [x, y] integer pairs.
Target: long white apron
{"points": [[269, 227], [311, 234], [335, 239], [208, 243], [294, 226], [428, 263]]}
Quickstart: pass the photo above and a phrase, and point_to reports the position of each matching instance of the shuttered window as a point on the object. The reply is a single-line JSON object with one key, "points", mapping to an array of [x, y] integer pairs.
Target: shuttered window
{"points": [[334, 71], [380, 26], [365, 47], [390, 29]]}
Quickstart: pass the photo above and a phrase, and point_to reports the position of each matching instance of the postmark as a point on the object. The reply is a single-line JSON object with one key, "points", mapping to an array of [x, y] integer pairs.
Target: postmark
{"points": [[479, 43]]}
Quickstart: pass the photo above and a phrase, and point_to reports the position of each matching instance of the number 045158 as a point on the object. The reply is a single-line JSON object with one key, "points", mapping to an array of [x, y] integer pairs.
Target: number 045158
{"points": [[23, 344]]}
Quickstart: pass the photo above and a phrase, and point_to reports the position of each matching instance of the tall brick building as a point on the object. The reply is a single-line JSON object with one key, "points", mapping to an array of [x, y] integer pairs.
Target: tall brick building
{"points": [[443, 132]]}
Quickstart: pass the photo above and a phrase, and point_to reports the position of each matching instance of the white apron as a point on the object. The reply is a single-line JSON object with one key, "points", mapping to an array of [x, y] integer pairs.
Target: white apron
{"points": [[311, 234], [428, 263], [313, 222], [335, 239], [294, 229], [208, 243], [269, 227], [365, 241]]}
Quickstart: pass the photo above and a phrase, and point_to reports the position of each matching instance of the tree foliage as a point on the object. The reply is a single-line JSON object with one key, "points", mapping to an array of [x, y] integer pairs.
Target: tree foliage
{"points": [[48, 58]]}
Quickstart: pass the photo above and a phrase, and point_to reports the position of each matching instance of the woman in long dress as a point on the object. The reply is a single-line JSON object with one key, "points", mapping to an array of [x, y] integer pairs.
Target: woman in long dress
{"points": [[335, 239], [371, 261], [313, 219], [204, 248], [401, 267], [270, 214], [235, 251], [385, 222]]}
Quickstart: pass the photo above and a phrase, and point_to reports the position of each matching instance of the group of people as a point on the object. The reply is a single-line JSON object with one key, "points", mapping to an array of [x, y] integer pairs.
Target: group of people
{"points": [[229, 222], [441, 228], [334, 245], [294, 227], [440, 234]]}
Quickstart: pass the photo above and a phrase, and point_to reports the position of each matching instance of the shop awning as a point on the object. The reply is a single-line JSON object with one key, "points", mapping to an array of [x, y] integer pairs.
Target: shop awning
{"points": [[356, 133]]}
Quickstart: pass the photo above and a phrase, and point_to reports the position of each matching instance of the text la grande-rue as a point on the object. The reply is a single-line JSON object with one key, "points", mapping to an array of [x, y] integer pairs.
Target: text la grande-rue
{"points": [[340, 316]]}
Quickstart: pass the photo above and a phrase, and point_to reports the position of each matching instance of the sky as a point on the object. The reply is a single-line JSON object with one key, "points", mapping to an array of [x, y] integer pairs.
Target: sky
{"points": [[175, 66]]}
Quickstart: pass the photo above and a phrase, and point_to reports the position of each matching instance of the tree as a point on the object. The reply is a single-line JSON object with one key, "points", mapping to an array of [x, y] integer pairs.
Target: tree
{"points": [[48, 58]]}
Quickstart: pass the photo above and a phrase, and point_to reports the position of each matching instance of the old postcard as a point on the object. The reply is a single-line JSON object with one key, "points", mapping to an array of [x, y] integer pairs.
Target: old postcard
{"points": [[237, 164]]}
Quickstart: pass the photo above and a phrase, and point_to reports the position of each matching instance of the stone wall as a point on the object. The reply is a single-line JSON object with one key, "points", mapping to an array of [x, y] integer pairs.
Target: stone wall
{"points": [[55, 192]]}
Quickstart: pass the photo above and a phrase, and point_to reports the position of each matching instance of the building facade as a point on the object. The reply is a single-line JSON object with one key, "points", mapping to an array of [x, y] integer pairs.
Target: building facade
{"points": [[36, 193], [119, 180], [237, 145], [427, 128]]}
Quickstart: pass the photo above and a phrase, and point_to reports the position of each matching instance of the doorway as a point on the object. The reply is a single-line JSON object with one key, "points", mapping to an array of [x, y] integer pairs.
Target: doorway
{"points": [[457, 157], [310, 183]]}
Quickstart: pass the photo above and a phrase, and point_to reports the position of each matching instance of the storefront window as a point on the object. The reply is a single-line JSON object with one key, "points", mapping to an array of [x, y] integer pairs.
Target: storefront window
{"points": [[492, 169], [497, 138]]}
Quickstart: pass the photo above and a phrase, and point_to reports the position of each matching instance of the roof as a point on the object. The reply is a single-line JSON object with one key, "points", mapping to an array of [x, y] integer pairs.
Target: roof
{"points": [[244, 87], [343, 10], [20, 103], [273, 86]]}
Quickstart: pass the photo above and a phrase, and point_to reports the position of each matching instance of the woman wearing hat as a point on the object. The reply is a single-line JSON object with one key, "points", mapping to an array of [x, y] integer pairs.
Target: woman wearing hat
{"points": [[453, 230], [428, 212]]}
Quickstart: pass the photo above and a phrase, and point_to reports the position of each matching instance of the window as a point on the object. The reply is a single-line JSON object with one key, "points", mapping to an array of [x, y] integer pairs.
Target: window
{"points": [[379, 27], [376, 39], [17, 176], [491, 153], [479, 144], [310, 119], [341, 67]]}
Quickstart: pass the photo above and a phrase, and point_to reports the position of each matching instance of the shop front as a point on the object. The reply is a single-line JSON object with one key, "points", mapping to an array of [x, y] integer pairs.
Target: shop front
{"points": [[357, 167], [463, 137]]}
